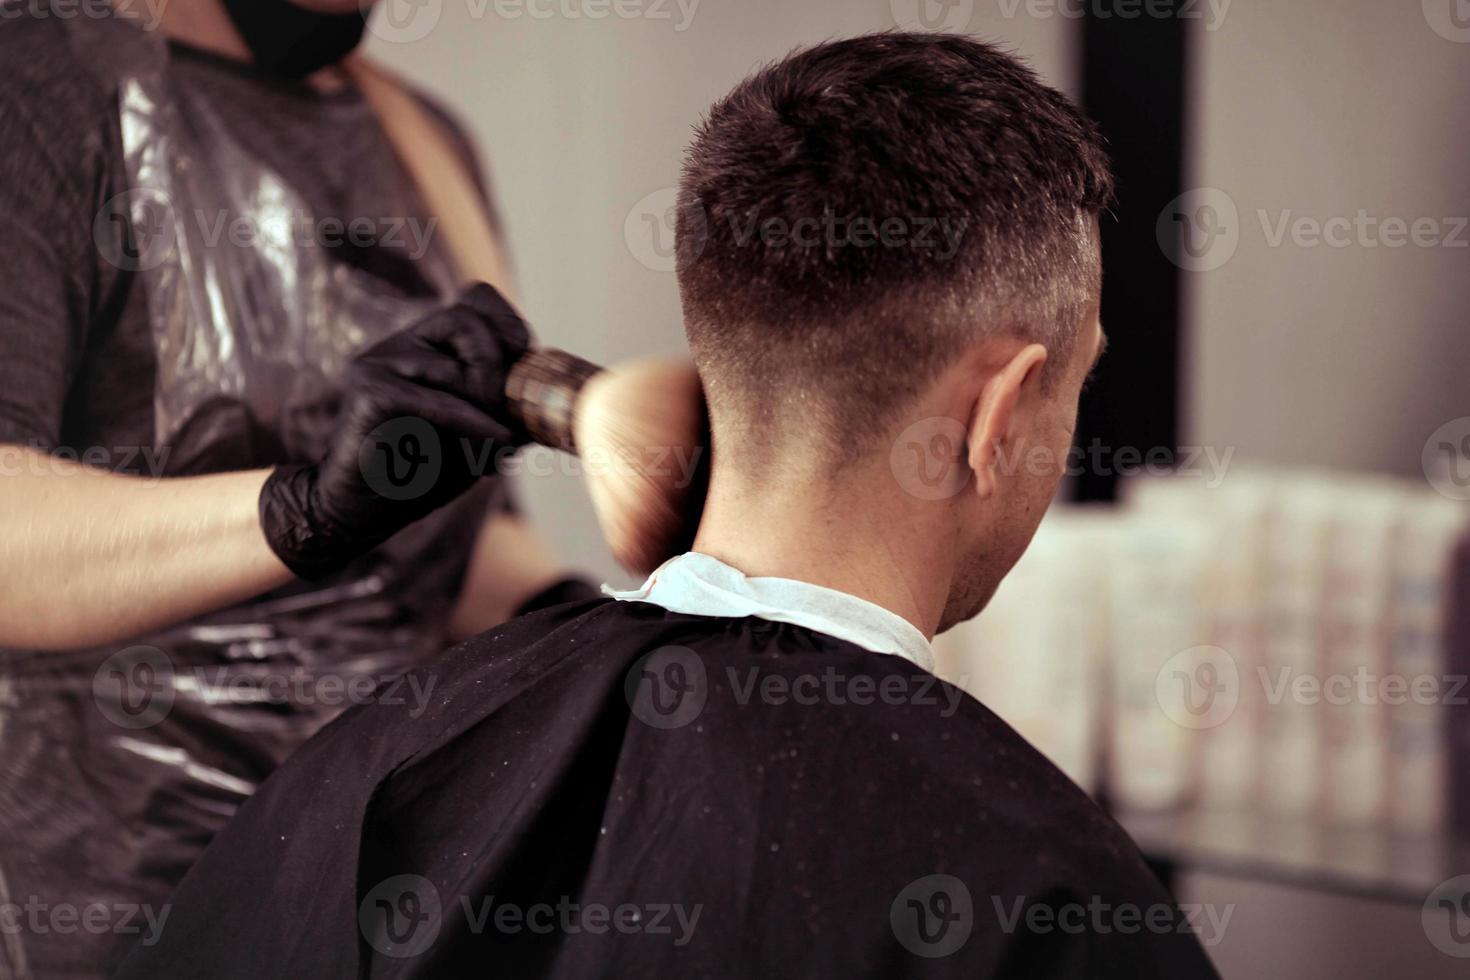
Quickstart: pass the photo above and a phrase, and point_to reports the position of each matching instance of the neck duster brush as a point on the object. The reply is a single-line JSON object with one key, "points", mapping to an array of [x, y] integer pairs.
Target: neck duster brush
{"points": [[642, 433]]}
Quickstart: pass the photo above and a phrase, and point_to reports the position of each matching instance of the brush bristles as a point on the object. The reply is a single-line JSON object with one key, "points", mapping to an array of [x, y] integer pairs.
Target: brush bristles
{"points": [[640, 431]]}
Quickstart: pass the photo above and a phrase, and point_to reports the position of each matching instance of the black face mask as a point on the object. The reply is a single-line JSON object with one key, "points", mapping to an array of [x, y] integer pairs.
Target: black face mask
{"points": [[290, 41]]}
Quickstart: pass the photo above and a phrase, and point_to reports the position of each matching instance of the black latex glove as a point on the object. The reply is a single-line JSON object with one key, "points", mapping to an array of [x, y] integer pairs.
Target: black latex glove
{"points": [[423, 414]]}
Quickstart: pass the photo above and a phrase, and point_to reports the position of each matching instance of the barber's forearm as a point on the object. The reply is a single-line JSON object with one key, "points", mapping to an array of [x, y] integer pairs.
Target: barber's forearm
{"points": [[509, 566], [89, 557]]}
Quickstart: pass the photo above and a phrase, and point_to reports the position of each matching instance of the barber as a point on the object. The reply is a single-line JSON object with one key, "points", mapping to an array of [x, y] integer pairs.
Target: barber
{"points": [[208, 543]]}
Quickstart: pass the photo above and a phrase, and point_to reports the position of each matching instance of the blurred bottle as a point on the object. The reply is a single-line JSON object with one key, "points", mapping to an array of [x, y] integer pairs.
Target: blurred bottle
{"points": [[1033, 656], [1235, 596], [1297, 527], [1160, 684], [1423, 599], [1363, 532]]}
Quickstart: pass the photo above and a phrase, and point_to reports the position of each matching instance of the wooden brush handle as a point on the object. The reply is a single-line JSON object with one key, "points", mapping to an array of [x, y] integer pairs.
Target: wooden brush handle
{"points": [[542, 391]]}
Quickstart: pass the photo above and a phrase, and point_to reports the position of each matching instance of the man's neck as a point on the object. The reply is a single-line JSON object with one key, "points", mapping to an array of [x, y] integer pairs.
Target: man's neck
{"points": [[860, 535]]}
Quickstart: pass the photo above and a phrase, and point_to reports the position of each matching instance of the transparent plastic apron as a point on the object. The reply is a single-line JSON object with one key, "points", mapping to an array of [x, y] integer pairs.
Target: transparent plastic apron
{"points": [[118, 765]]}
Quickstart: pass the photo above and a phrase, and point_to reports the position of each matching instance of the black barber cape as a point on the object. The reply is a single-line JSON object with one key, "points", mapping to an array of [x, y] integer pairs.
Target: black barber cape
{"points": [[607, 789]]}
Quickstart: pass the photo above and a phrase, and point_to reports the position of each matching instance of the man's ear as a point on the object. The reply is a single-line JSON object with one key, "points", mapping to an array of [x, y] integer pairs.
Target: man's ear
{"points": [[991, 426]]}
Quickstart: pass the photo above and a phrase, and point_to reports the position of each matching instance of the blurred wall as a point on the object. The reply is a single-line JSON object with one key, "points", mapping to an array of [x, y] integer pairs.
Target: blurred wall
{"points": [[581, 118], [1348, 353]]}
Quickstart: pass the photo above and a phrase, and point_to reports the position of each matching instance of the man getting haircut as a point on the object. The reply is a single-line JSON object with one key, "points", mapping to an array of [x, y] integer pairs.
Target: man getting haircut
{"points": [[888, 258]]}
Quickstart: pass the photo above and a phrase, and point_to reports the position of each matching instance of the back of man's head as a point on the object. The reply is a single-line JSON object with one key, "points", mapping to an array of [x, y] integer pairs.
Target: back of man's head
{"points": [[857, 216]]}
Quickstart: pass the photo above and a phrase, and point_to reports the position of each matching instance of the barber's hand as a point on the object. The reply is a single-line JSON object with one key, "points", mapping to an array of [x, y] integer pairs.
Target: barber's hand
{"points": [[422, 414], [642, 432]]}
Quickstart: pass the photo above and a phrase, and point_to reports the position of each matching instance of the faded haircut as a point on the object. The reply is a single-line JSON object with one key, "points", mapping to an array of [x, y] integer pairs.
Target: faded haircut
{"points": [[854, 217]]}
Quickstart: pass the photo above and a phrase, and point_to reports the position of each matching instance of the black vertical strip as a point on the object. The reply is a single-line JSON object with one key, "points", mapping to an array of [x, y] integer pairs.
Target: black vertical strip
{"points": [[1134, 78], [1456, 710]]}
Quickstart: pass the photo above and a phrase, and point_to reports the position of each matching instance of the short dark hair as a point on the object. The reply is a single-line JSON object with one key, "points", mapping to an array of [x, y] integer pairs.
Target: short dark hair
{"points": [[854, 216]]}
